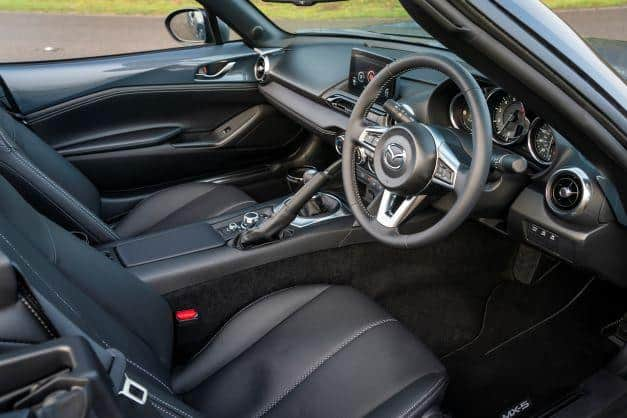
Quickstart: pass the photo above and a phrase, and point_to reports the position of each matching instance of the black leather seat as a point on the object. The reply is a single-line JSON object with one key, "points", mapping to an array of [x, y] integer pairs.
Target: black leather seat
{"points": [[62, 193], [310, 351]]}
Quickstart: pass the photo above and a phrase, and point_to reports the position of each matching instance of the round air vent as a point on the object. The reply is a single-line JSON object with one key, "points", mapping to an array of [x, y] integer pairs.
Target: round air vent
{"points": [[568, 191], [262, 65]]}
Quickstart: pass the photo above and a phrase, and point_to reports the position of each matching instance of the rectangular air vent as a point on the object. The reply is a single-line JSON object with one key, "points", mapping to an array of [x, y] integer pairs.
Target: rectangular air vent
{"points": [[346, 104]]}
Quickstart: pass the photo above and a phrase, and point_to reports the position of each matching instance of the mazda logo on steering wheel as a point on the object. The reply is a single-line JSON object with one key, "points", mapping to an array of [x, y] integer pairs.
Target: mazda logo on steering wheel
{"points": [[394, 156]]}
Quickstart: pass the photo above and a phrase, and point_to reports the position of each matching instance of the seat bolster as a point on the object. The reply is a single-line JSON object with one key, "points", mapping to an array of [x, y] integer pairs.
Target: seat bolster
{"points": [[339, 354], [416, 400], [181, 205], [245, 328]]}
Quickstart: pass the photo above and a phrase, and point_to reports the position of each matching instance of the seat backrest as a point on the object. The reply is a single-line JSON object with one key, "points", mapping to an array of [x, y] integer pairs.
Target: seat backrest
{"points": [[48, 182], [82, 292]]}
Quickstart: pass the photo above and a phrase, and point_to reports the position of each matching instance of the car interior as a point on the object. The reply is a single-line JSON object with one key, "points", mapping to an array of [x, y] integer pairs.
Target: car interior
{"points": [[305, 225]]}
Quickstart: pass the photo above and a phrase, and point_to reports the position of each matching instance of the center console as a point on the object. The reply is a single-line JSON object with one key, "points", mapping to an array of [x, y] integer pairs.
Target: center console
{"points": [[179, 257]]}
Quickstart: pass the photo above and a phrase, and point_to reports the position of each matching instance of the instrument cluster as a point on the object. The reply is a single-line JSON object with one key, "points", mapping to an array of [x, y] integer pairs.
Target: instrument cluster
{"points": [[512, 123]]}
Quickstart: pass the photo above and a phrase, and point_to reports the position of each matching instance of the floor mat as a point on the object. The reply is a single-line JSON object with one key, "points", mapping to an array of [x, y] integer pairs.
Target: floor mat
{"points": [[443, 316], [536, 344]]}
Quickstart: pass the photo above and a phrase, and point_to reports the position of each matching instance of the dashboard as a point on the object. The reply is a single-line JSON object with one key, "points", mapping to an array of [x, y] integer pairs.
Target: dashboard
{"points": [[556, 201]]}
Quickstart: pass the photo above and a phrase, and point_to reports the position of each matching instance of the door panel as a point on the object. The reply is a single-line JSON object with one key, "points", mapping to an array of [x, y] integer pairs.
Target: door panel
{"points": [[136, 123], [61, 81]]}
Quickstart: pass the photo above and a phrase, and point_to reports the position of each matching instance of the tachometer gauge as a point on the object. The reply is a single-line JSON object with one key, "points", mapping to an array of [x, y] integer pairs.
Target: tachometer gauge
{"points": [[541, 142], [509, 119], [459, 113]]}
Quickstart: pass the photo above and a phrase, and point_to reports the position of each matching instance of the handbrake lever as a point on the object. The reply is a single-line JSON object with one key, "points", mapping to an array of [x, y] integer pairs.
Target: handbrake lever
{"points": [[281, 219]]}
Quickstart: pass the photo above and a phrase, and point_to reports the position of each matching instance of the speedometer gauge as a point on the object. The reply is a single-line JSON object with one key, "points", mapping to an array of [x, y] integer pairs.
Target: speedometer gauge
{"points": [[541, 141], [459, 113], [509, 119]]}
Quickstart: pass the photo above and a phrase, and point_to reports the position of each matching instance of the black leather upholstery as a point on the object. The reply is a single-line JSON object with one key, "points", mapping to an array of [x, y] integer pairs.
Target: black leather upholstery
{"points": [[181, 205], [61, 192], [306, 351], [314, 351]]}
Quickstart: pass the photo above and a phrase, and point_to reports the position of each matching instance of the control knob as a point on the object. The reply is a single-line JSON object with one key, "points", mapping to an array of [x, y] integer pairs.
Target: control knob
{"points": [[250, 219]]}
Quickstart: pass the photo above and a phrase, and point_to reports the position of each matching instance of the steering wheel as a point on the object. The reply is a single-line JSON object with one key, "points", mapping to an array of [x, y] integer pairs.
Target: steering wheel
{"points": [[414, 160]]}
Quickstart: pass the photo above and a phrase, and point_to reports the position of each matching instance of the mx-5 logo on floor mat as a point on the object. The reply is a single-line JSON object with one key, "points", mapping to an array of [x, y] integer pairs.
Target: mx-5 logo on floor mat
{"points": [[517, 409]]}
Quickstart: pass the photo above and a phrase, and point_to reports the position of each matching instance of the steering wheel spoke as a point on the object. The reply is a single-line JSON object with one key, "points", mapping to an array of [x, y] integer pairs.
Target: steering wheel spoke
{"points": [[369, 138], [394, 208], [448, 169]]}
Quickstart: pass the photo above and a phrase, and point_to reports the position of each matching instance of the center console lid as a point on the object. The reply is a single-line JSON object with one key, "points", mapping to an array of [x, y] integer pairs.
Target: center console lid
{"points": [[168, 244]]}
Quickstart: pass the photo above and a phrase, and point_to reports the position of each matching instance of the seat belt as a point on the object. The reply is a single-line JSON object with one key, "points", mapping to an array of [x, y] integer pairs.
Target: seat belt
{"points": [[13, 283]]}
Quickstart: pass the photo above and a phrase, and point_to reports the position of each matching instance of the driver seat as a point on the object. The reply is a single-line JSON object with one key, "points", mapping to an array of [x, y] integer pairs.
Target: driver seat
{"points": [[310, 351]]}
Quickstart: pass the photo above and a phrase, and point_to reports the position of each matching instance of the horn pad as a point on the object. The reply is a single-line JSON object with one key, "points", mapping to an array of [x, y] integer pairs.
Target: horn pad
{"points": [[405, 158]]}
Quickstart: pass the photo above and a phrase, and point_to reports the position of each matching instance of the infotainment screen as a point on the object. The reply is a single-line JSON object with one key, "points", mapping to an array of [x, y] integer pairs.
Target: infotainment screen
{"points": [[363, 69]]}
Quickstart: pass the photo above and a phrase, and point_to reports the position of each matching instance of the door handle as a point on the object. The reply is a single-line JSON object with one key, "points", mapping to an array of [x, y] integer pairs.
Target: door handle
{"points": [[222, 71]]}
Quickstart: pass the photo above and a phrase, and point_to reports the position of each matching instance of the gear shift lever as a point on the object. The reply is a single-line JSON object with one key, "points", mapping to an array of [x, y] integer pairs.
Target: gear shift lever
{"points": [[270, 228], [309, 174]]}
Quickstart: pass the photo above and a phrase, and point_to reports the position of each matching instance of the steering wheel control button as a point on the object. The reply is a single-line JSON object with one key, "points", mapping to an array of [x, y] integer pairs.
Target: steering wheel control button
{"points": [[250, 220], [443, 172], [372, 138]]}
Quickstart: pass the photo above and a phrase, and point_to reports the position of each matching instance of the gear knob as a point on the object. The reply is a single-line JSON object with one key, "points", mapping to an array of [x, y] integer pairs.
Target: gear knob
{"points": [[309, 174]]}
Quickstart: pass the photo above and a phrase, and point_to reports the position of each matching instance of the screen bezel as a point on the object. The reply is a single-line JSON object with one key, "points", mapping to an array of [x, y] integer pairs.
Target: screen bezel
{"points": [[356, 54]]}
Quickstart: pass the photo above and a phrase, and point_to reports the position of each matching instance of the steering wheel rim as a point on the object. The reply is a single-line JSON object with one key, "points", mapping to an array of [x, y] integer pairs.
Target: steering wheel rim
{"points": [[467, 183]]}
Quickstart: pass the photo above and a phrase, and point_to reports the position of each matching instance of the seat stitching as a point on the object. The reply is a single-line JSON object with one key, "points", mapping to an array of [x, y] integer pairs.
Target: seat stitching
{"points": [[320, 362], [180, 411], [424, 398], [72, 309], [52, 244], [270, 330], [41, 175], [148, 373], [37, 274], [162, 409], [241, 311], [61, 210], [70, 199], [37, 317]]}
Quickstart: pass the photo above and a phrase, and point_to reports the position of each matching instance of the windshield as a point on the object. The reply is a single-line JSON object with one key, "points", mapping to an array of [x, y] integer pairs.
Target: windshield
{"points": [[382, 17], [601, 23]]}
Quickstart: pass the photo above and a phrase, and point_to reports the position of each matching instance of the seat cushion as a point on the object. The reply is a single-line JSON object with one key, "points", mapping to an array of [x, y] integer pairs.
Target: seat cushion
{"points": [[182, 205], [312, 351]]}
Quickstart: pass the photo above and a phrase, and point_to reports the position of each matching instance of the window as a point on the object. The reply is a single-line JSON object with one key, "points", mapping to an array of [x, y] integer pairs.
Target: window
{"points": [[371, 17], [63, 29], [601, 23]]}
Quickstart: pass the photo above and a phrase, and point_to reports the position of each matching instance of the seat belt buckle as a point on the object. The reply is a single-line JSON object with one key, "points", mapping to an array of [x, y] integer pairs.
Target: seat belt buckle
{"points": [[134, 391]]}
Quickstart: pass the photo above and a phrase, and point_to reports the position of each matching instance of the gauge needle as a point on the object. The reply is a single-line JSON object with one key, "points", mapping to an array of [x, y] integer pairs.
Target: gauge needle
{"points": [[507, 122]]}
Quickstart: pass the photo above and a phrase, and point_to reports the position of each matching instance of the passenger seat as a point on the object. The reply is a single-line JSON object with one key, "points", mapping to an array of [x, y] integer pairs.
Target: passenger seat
{"points": [[62, 193]]}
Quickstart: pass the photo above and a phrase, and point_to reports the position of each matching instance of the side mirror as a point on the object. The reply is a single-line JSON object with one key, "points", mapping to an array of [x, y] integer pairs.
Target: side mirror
{"points": [[189, 26]]}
